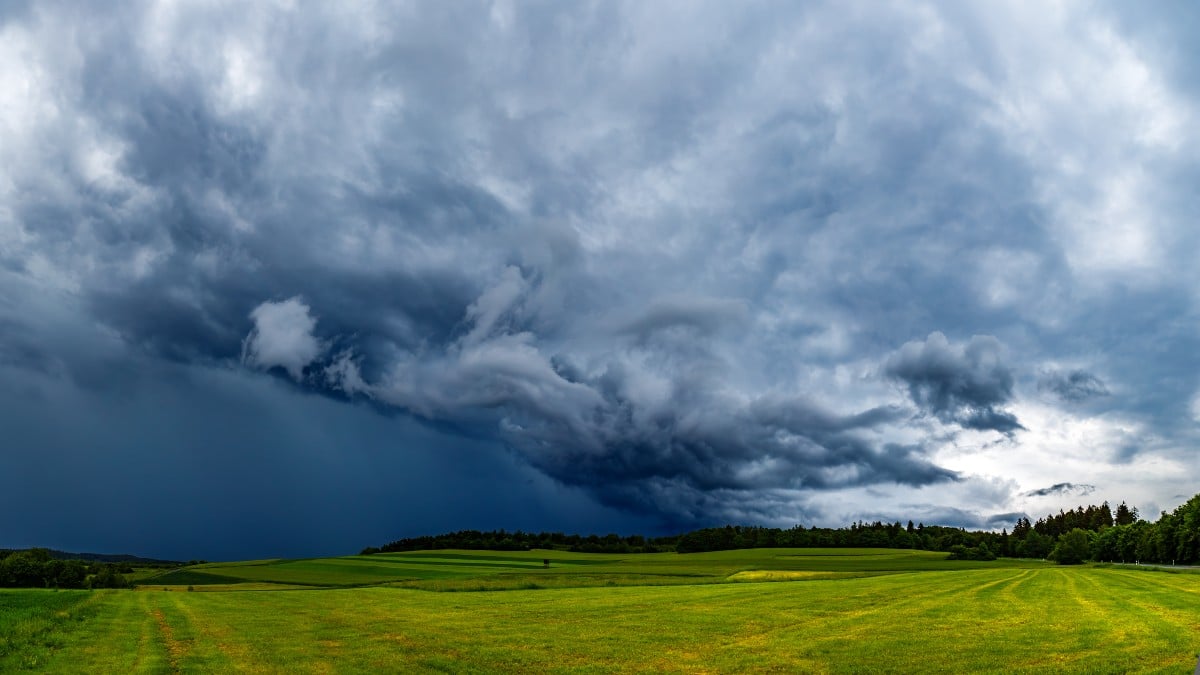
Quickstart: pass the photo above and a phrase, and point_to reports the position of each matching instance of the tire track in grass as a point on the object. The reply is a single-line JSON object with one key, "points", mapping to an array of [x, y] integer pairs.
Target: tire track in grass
{"points": [[1172, 593], [996, 605], [1091, 625], [178, 635], [1010, 611], [1072, 620], [1035, 629], [1122, 604], [215, 643], [953, 615], [854, 619], [886, 598], [1005, 585], [1174, 582], [1183, 621], [1017, 602], [121, 636], [1107, 617], [1019, 622], [175, 650], [147, 652], [1008, 593], [1018, 610], [882, 598]]}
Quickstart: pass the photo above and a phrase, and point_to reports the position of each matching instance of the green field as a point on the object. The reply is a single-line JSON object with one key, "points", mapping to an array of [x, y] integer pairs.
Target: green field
{"points": [[478, 570], [800, 610]]}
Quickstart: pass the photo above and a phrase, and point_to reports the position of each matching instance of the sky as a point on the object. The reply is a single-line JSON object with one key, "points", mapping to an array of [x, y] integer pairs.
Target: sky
{"points": [[291, 278]]}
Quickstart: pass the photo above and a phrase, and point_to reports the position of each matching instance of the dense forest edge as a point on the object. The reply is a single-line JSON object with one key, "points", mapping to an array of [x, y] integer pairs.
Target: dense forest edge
{"points": [[1095, 533]]}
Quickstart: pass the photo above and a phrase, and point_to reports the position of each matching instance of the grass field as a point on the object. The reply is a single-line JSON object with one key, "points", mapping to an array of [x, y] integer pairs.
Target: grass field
{"points": [[477, 570], [735, 611]]}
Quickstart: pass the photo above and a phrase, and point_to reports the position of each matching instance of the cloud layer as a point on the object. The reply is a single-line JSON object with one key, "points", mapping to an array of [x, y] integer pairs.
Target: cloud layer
{"points": [[774, 264]]}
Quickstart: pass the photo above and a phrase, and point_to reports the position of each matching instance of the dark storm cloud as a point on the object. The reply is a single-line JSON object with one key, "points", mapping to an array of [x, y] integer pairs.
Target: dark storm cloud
{"points": [[965, 384], [656, 447], [1074, 386], [717, 449], [1062, 489], [660, 267]]}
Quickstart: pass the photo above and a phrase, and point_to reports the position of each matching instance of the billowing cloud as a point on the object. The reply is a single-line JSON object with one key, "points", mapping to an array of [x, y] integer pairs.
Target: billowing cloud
{"points": [[282, 337], [965, 383], [672, 446]]}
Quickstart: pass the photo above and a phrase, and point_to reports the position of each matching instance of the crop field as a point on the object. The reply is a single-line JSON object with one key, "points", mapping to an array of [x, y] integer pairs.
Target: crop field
{"points": [[801, 610]]}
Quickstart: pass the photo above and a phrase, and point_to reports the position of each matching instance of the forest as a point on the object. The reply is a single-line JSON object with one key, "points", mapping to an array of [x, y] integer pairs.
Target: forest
{"points": [[37, 568], [1095, 532]]}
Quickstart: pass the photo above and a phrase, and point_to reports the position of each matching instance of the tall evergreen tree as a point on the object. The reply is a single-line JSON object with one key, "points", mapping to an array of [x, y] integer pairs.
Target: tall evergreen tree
{"points": [[1126, 515]]}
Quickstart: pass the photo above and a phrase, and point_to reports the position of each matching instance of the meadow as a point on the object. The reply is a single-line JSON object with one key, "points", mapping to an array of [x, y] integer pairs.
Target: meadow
{"points": [[786, 610]]}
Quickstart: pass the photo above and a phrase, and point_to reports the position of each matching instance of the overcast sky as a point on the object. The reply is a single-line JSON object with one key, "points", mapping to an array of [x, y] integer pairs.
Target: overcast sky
{"points": [[296, 278]]}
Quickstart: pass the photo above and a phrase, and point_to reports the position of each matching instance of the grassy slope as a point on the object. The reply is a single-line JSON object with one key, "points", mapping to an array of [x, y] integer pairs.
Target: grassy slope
{"points": [[448, 570], [979, 618]]}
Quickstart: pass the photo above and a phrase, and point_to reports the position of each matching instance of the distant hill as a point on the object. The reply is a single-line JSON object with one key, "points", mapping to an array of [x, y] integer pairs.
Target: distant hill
{"points": [[101, 557]]}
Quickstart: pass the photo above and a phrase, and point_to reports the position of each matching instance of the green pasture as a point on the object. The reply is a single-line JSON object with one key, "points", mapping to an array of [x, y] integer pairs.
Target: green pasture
{"points": [[453, 570], [803, 610]]}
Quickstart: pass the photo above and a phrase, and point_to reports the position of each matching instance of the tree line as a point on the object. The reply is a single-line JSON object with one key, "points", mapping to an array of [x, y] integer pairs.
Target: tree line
{"points": [[1173, 539], [857, 535], [36, 568], [1095, 532], [502, 540]]}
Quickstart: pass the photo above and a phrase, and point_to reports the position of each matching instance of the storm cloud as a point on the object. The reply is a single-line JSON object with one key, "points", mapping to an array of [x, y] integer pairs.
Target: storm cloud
{"points": [[775, 264], [1062, 489], [638, 436], [1074, 386], [965, 384]]}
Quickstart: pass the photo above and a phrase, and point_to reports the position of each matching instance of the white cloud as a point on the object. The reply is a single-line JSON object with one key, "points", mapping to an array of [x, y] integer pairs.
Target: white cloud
{"points": [[1096, 122], [282, 337]]}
